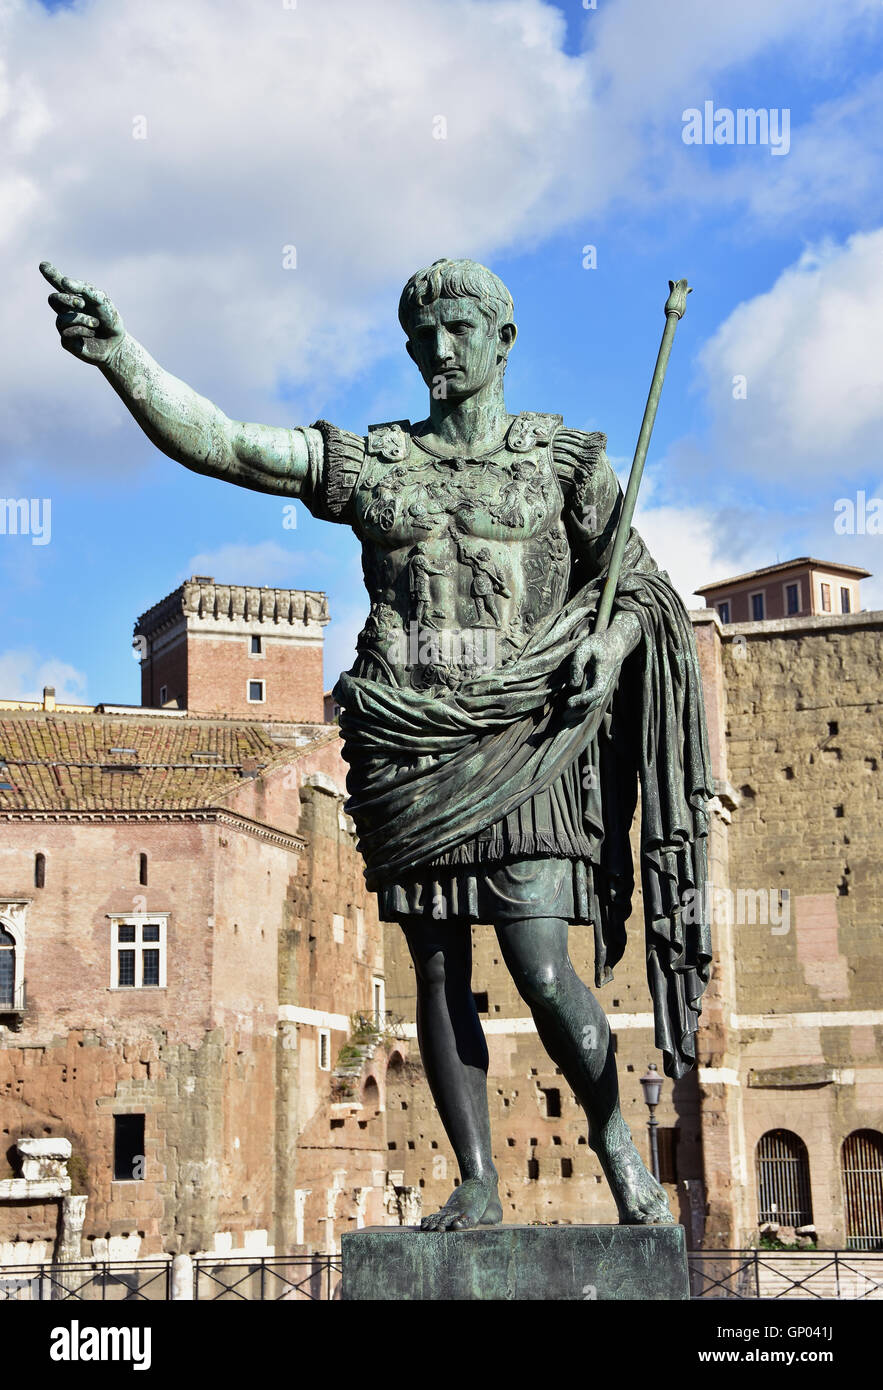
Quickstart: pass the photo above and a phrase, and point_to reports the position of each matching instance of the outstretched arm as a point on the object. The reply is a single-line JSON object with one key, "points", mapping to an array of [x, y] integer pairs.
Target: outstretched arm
{"points": [[180, 422]]}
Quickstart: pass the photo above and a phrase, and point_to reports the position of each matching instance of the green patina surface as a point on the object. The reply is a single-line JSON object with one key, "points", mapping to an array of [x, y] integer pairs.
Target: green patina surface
{"points": [[514, 1263]]}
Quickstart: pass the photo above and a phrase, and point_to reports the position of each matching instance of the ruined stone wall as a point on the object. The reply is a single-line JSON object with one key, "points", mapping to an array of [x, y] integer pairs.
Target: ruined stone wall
{"points": [[805, 746], [331, 1126]]}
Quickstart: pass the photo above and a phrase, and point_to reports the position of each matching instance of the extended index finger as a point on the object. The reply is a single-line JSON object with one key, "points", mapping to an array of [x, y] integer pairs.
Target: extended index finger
{"points": [[53, 275], [64, 282]]}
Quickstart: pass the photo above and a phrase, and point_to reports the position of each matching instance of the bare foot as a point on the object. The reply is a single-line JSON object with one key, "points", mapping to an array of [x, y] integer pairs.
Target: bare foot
{"points": [[640, 1200], [473, 1203]]}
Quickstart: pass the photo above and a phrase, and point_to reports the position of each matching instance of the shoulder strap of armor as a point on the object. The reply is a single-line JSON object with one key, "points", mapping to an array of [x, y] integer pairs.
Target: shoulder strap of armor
{"points": [[531, 428], [391, 441]]}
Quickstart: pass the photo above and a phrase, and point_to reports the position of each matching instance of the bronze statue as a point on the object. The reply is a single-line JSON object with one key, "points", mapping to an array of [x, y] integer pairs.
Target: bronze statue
{"points": [[494, 791]]}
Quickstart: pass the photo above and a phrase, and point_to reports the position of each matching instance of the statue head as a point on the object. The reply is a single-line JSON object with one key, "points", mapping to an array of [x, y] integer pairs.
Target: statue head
{"points": [[458, 318]]}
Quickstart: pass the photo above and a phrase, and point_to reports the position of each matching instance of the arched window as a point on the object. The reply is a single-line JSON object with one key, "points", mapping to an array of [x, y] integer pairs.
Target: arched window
{"points": [[861, 1161], [783, 1192], [7, 969], [40, 871]]}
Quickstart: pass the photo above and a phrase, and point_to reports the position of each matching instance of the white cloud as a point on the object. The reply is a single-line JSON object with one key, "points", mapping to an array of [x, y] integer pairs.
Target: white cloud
{"points": [[24, 673], [810, 350], [265, 128], [266, 563], [313, 127]]}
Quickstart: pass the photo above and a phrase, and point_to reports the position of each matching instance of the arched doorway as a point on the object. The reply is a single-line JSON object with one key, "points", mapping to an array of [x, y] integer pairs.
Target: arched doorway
{"points": [[861, 1164], [783, 1188]]}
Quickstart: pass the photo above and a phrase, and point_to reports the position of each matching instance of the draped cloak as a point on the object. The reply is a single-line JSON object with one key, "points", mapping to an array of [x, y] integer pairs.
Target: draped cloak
{"points": [[427, 773]]}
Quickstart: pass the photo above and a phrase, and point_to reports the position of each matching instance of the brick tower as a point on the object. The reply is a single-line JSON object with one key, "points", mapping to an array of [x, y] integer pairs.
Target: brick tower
{"points": [[229, 649]]}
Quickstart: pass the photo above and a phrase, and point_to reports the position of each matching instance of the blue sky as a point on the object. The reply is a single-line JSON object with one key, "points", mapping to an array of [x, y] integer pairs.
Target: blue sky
{"points": [[315, 125]]}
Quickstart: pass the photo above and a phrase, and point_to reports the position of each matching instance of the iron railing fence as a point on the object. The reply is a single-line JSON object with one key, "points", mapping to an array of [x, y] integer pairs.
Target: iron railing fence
{"points": [[810, 1274], [714, 1274], [267, 1277], [88, 1281]]}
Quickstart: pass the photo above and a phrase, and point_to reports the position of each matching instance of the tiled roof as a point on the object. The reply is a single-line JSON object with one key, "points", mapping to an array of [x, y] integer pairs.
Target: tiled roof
{"points": [[82, 762]]}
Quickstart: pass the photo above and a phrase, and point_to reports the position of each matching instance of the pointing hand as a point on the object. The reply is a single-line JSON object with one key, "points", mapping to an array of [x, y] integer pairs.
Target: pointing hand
{"points": [[87, 322]]}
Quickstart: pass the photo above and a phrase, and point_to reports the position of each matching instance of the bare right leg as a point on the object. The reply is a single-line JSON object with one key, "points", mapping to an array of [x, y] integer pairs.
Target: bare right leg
{"points": [[455, 1059]]}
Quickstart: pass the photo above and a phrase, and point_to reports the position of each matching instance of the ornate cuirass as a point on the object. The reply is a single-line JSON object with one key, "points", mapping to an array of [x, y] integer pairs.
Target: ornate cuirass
{"points": [[462, 555]]}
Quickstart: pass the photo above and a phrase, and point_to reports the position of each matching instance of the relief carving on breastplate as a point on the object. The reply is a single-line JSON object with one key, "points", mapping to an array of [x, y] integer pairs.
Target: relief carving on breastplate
{"points": [[472, 555]]}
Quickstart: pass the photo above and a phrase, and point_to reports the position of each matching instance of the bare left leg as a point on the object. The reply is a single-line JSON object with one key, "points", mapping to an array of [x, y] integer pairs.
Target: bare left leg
{"points": [[574, 1031]]}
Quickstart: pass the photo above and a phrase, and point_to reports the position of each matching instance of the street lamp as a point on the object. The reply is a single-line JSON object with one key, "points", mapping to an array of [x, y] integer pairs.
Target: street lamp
{"points": [[651, 1085]]}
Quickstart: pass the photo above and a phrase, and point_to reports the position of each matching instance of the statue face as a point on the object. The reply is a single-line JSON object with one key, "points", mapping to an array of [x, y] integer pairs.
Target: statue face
{"points": [[453, 342]]}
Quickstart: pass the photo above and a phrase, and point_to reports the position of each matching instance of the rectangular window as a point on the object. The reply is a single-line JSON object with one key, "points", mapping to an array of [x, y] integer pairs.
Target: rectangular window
{"points": [[126, 976], [792, 598], [481, 1001], [255, 646], [826, 598], [7, 968], [553, 1103], [163, 694], [324, 1049], [723, 612], [138, 953], [255, 692], [150, 960], [128, 1148], [757, 606], [845, 601]]}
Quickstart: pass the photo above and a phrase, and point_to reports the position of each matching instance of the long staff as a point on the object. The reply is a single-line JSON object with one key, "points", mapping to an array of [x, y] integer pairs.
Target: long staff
{"points": [[675, 307]]}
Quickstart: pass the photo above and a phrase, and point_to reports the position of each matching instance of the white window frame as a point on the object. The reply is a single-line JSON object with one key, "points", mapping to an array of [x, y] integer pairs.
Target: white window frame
{"points": [[792, 584], [138, 920], [847, 589], [378, 986], [324, 1036], [251, 636], [13, 913], [826, 584], [263, 684], [761, 594]]}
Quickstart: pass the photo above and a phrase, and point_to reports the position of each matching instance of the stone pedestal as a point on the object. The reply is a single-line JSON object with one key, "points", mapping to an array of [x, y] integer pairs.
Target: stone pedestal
{"points": [[401, 1263]]}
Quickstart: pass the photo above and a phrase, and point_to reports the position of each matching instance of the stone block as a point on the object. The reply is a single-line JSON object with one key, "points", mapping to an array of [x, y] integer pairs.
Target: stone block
{"points": [[515, 1263]]}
